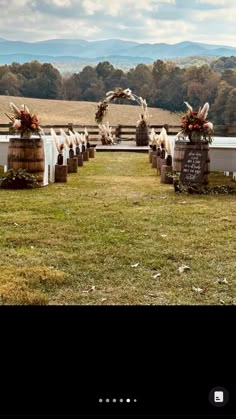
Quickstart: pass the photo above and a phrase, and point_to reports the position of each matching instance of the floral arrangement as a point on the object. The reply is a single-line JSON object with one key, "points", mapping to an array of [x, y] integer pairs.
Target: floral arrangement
{"points": [[101, 111], [118, 93], [23, 121], [195, 126], [144, 116], [106, 134]]}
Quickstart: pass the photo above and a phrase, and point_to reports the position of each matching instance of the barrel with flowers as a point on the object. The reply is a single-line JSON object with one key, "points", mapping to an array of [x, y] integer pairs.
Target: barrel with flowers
{"points": [[26, 152], [195, 135]]}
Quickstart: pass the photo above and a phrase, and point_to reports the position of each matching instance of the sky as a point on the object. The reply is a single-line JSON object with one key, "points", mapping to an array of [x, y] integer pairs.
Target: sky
{"points": [[152, 21]]}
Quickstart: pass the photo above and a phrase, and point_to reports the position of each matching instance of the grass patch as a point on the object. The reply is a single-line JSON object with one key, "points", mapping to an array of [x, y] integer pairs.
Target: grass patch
{"points": [[75, 243]]}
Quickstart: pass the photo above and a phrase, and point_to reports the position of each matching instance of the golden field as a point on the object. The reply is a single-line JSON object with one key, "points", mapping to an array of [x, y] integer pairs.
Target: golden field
{"points": [[64, 112]]}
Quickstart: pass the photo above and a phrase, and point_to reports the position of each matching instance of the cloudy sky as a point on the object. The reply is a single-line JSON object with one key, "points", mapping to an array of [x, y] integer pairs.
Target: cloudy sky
{"points": [[153, 21]]}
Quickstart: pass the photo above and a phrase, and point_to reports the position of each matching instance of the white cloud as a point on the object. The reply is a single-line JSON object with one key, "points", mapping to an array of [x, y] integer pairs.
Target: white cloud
{"points": [[115, 8], [226, 3]]}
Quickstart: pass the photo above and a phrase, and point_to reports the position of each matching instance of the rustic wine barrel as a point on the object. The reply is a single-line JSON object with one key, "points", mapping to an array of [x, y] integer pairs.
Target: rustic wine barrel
{"points": [[142, 135], [28, 154], [61, 173], [179, 152]]}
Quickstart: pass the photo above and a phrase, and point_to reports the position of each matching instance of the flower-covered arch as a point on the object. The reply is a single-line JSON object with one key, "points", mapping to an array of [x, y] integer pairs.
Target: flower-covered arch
{"points": [[102, 109]]}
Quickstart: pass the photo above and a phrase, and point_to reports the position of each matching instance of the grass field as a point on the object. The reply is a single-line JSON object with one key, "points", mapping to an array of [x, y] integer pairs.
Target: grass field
{"points": [[114, 235], [63, 112]]}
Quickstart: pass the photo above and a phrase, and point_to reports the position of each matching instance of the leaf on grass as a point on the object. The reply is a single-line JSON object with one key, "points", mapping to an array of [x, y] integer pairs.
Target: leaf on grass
{"points": [[222, 281], [135, 265], [122, 231], [198, 290], [222, 302], [32, 247], [183, 268], [163, 197], [183, 202], [90, 289], [163, 235], [15, 224], [156, 275], [103, 299]]}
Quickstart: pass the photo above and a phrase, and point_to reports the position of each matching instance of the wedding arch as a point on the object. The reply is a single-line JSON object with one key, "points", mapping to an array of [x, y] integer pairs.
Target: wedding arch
{"points": [[142, 131]]}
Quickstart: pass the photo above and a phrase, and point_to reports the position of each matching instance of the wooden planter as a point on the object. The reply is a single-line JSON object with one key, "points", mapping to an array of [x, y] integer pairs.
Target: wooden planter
{"points": [[61, 173], [179, 152], [80, 159], [72, 165], [165, 172], [142, 135], [28, 154], [85, 155], [91, 151], [154, 160]]}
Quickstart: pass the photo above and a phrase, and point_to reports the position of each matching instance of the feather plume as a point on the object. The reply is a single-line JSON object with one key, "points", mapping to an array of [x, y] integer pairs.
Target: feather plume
{"points": [[189, 106], [204, 112], [14, 108]]}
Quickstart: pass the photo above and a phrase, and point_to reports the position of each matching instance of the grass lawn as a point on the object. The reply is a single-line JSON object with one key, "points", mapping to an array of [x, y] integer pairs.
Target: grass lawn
{"points": [[75, 243]]}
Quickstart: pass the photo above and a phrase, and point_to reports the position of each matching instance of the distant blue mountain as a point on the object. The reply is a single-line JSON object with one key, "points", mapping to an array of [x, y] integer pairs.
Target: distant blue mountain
{"points": [[122, 54]]}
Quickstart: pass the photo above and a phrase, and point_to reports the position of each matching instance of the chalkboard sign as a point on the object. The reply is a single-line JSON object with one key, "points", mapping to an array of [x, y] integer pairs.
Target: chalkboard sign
{"points": [[193, 166]]}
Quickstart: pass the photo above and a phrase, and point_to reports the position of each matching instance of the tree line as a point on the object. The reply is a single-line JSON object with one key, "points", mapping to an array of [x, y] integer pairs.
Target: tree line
{"points": [[162, 84]]}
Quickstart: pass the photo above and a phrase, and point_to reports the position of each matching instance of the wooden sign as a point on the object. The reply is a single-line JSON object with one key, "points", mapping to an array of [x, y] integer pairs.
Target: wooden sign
{"points": [[193, 166]]}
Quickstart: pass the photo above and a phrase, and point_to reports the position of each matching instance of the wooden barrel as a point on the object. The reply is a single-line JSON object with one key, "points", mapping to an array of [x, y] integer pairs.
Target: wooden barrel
{"points": [[179, 152], [166, 171], [142, 135], [61, 173], [72, 165], [28, 154]]}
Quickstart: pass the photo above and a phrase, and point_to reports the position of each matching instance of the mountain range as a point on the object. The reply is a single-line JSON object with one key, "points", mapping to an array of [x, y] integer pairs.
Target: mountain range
{"points": [[113, 50]]}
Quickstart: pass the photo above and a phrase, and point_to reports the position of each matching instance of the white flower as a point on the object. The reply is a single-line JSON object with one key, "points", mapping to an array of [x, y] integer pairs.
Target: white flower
{"points": [[208, 126], [17, 124]]}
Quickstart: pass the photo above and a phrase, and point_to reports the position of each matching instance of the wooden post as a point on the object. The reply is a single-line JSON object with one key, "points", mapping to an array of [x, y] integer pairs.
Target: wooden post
{"points": [[72, 165], [162, 162], [158, 165], [61, 173], [70, 127], [154, 160], [150, 156], [91, 151], [165, 172], [118, 131], [80, 159], [85, 156]]}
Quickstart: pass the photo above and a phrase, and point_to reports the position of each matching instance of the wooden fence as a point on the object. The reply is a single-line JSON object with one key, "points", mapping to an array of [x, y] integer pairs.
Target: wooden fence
{"points": [[124, 132]]}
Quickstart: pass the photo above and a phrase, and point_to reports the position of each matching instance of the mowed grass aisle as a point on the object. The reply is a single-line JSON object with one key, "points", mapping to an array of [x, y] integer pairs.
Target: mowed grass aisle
{"points": [[104, 237]]}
